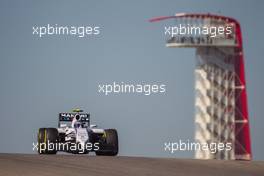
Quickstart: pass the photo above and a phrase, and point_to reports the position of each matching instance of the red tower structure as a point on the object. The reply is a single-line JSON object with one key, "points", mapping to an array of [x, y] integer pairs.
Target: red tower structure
{"points": [[221, 98]]}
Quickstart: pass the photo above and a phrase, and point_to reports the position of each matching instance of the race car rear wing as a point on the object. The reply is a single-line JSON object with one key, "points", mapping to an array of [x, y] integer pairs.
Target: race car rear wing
{"points": [[65, 119], [68, 117]]}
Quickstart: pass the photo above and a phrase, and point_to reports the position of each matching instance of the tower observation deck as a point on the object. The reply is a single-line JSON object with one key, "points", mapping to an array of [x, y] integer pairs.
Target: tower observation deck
{"points": [[221, 113]]}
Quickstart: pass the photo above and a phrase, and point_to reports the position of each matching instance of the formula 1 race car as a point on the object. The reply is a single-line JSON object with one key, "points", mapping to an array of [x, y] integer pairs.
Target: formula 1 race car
{"points": [[76, 135]]}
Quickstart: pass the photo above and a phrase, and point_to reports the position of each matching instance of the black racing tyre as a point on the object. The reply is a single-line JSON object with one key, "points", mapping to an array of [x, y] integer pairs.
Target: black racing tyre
{"points": [[111, 141], [41, 140], [47, 140]]}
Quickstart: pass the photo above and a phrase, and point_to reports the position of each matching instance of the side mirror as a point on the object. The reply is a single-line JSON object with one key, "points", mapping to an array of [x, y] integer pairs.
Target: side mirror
{"points": [[93, 126]]}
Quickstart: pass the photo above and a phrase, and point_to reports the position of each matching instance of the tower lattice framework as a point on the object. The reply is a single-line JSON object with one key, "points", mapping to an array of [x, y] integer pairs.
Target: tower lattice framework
{"points": [[221, 114]]}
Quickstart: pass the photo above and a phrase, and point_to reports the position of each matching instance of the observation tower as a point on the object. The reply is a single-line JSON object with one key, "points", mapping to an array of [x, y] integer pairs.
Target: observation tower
{"points": [[221, 113]]}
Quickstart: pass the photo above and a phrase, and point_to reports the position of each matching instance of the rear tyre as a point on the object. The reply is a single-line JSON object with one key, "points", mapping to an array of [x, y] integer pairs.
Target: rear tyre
{"points": [[41, 141], [47, 140], [110, 148]]}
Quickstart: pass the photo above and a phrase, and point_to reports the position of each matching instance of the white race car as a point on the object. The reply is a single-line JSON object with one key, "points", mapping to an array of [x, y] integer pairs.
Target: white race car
{"points": [[75, 135]]}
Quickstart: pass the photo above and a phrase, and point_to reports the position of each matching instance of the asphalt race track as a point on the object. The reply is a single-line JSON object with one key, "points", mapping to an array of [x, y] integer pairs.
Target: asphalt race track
{"points": [[74, 165]]}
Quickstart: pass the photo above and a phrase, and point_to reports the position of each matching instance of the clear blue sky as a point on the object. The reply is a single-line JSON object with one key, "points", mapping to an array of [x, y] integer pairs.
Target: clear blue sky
{"points": [[41, 77]]}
